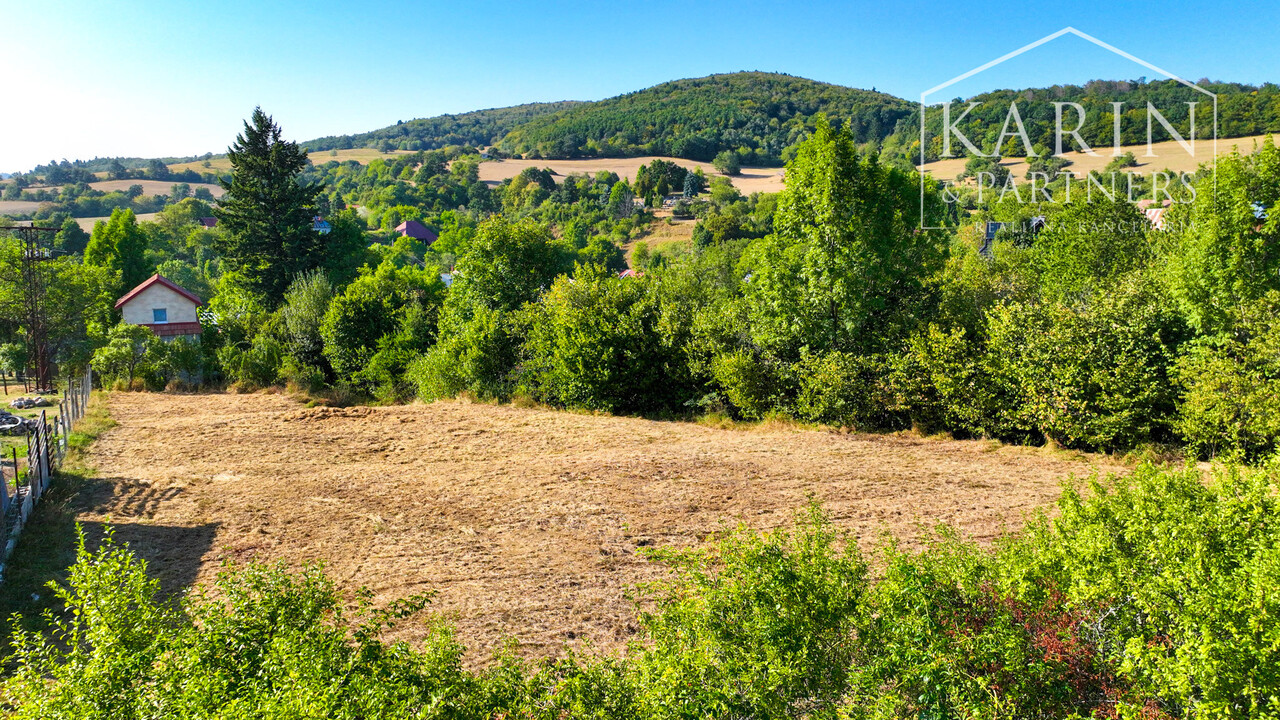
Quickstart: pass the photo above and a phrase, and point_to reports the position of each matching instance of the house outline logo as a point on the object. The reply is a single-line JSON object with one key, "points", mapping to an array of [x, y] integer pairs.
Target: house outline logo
{"points": [[1069, 30]]}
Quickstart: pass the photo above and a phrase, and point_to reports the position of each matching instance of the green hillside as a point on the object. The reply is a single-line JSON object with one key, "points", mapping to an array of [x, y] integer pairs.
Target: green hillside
{"points": [[479, 128], [1243, 110], [757, 114]]}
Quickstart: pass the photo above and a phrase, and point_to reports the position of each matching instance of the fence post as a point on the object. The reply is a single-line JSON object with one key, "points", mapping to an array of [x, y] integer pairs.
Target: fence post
{"points": [[4, 492]]}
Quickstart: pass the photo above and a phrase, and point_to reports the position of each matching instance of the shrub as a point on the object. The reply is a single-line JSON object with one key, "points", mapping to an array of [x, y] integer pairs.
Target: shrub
{"points": [[756, 625], [261, 643], [478, 355], [595, 343], [727, 163], [1230, 386], [753, 384], [944, 379], [258, 365], [305, 304], [1097, 377], [844, 389]]}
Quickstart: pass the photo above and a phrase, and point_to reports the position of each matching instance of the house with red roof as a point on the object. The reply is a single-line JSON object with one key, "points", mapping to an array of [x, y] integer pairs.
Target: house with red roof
{"points": [[162, 305], [417, 231]]}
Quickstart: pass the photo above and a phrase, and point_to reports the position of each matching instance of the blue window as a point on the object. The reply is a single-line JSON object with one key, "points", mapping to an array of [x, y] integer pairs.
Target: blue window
{"points": [[160, 315]]}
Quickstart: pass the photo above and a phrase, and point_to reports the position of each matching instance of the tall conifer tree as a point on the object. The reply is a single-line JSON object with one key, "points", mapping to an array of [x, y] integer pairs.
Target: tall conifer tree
{"points": [[267, 211]]}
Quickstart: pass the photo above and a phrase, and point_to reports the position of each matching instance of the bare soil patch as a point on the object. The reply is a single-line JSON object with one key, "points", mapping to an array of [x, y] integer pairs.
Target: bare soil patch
{"points": [[527, 521]]}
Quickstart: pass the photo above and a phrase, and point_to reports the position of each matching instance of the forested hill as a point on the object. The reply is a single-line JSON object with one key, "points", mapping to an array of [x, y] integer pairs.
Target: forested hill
{"points": [[1242, 110], [753, 113], [479, 129], [756, 114]]}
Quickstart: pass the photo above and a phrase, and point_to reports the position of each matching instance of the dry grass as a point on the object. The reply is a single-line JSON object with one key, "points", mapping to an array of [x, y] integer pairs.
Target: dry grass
{"points": [[1169, 155], [318, 157], [18, 207], [752, 179], [526, 520], [153, 187], [673, 238], [87, 224]]}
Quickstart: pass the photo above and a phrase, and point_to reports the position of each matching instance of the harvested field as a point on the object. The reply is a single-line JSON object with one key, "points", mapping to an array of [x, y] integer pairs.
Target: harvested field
{"points": [[86, 224], [154, 187], [18, 207], [222, 163], [752, 179], [527, 521], [1168, 155]]}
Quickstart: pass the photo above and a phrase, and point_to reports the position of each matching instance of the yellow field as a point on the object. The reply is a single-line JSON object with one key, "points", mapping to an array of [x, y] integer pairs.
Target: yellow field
{"points": [[18, 207], [1169, 155], [86, 224], [152, 187], [320, 157], [752, 179]]}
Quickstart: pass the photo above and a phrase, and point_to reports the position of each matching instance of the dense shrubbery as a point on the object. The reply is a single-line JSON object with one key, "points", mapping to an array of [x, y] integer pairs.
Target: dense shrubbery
{"points": [[1150, 596]]}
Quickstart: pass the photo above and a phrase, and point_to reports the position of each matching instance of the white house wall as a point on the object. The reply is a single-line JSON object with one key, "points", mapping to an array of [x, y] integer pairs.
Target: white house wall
{"points": [[179, 308]]}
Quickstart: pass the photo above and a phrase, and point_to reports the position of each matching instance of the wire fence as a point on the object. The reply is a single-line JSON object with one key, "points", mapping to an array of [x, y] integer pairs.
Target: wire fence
{"points": [[46, 449]]}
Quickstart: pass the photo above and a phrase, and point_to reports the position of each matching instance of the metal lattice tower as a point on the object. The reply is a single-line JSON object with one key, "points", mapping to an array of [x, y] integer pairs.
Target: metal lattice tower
{"points": [[36, 253]]}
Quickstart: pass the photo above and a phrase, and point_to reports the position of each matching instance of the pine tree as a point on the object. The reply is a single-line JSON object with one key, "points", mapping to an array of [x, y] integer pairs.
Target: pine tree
{"points": [[267, 212]]}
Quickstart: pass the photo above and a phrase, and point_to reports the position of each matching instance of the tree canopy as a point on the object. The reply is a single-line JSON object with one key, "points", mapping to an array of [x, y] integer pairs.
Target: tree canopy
{"points": [[267, 211]]}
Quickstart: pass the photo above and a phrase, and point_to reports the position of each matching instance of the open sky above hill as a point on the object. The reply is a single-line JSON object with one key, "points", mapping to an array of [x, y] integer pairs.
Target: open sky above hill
{"points": [[167, 79]]}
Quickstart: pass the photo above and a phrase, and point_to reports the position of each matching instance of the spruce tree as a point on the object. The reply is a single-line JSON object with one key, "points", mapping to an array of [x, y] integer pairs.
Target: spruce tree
{"points": [[266, 213]]}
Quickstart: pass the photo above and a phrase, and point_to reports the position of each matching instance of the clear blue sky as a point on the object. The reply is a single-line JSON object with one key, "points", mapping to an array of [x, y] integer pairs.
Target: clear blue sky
{"points": [[176, 78]]}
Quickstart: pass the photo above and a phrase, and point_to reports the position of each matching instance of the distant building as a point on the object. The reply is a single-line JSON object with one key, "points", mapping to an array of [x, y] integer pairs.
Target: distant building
{"points": [[321, 225], [162, 305], [208, 222], [417, 231]]}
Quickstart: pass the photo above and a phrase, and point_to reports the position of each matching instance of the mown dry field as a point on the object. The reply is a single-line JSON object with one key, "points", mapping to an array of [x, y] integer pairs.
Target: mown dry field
{"points": [[222, 164], [1168, 155], [526, 521], [752, 179]]}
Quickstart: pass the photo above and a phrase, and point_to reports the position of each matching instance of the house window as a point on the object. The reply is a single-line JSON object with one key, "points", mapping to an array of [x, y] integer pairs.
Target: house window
{"points": [[160, 315]]}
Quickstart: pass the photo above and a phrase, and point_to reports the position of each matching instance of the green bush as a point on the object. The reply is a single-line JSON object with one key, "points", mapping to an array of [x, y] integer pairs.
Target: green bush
{"points": [[756, 386], [844, 389], [756, 625], [257, 365], [1093, 377], [478, 356], [595, 342], [261, 643], [945, 380], [1231, 386]]}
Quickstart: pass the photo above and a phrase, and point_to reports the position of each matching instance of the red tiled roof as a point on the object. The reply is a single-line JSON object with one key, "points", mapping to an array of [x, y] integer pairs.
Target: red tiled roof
{"points": [[416, 230], [158, 278]]}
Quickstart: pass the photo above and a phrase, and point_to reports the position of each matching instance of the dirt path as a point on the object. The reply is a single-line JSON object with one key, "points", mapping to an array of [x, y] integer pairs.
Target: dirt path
{"points": [[525, 521]]}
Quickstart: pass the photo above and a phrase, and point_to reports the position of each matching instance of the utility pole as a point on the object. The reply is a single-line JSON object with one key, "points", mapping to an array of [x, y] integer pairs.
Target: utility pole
{"points": [[35, 254]]}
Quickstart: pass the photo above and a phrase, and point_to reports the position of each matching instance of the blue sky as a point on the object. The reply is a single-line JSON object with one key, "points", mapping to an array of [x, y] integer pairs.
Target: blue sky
{"points": [[176, 78]]}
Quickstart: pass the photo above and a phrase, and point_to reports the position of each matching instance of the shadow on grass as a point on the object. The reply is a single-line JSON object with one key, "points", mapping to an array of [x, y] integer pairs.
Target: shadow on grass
{"points": [[47, 546]]}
